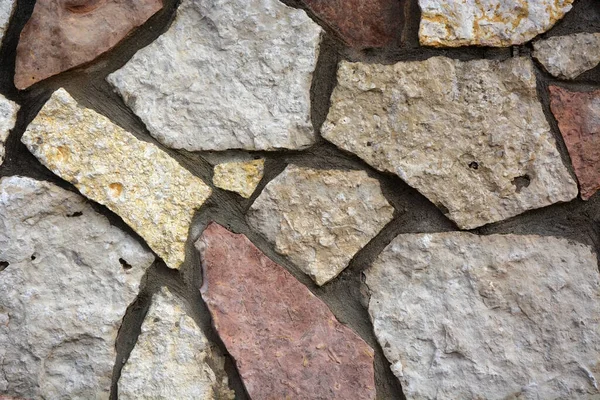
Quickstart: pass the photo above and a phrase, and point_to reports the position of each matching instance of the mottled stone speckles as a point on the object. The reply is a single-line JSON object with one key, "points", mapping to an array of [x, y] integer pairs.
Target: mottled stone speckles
{"points": [[241, 177], [8, 118], [569, 56], [471, 136]]}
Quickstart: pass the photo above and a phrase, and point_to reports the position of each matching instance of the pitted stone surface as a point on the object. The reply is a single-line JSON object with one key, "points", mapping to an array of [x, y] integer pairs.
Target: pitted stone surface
{"points": [[470, 136], [63, 34], [6, 10], [68, 280], [8, 118], [169, 360], [568, 56], [228, 74], [578, 116], [286, 342], [461, 316], [241, 177], [153, 194], [499, 23], [320, 219]]}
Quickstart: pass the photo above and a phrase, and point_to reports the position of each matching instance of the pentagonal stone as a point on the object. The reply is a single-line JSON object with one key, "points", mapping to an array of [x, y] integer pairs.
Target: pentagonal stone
{"points": [[241, 177], [8, 118], [568, 56]]}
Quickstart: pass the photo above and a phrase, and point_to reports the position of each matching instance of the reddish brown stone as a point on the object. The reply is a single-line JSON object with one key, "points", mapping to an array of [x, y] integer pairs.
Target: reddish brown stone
{"points": [[63, 34], [286, 342], [578, 116]]}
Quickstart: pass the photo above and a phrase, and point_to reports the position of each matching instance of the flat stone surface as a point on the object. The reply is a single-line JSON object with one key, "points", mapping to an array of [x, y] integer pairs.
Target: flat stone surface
{"points": [[7, 8], [461, 316], [568, 56], [8, 118], [63, 34], [320, 219], [578, 116], [286, 342], [169, 360], [241, 177], [68, 278], [228, 74], [500, 23], [470, 136], [153, 194]]}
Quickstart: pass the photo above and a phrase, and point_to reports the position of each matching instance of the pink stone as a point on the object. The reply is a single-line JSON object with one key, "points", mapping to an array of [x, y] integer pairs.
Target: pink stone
{"points": [[578, 116], [286, 342]]}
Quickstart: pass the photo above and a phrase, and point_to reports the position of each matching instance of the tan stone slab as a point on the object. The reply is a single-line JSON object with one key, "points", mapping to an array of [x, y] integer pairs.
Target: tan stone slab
{"points": [[241, 177]]}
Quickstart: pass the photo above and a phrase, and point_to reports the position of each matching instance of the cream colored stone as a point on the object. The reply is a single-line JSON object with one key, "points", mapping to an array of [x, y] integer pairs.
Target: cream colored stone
{"points": [[568, 56], [138, 181], [8, 118], [241, 177]]}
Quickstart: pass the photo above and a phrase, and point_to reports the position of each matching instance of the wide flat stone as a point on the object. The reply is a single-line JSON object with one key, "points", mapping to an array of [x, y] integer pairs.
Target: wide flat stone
{"points": [[499, 23], [470, 136], [578, 116], [461, 316], [320, 219], [66, 278], [8, 119], [228, 74], [7, 8], [63, 34], [241, 177], [286, 342], [568, 56], [153, 194], [172, 358]]}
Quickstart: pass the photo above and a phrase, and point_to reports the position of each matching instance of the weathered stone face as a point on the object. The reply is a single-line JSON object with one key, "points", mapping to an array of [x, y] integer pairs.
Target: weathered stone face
{"points": [[153, 194], [68, 278], [8, 118], [470, 136], [63, 34], [489, 317], [241, 177], [568, 56], [286, 342], [6, 10]]}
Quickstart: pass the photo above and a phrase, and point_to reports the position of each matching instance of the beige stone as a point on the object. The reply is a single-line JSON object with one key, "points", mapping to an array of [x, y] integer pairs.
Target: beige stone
{"points": [[8, 119], [568, 56], [241, 177]]}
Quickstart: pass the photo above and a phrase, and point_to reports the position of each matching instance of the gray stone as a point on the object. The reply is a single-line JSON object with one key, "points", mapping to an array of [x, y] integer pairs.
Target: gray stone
{"points": [[228, 74], [8, 118], [470, 136], [568, 56], [7, 8], [461, 316], [69, 277]]}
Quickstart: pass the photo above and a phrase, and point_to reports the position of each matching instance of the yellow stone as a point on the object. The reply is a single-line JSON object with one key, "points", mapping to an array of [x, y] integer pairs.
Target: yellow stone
{"points": [[241, 177]]}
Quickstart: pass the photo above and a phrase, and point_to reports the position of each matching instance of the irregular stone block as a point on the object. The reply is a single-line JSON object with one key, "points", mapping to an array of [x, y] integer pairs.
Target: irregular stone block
{"points": [[499, 23], [66, 278], [63, 34], [8, 119], [470, 136], [286, 342], [578, 116], [461, 316], [320, 219], [228, 74], [568, 56], [170, 358], [153, 194], [241, 177], [7, 8]]}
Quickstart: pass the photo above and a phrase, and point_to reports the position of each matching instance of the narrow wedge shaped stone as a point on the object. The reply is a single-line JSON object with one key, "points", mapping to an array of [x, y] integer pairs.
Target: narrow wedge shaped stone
{"points": [[153, 194], [8, 119], [241, 177]]}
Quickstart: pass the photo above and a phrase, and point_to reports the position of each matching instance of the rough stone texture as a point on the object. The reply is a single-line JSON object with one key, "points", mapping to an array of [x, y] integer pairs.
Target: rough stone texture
{"points": [[286, 342], [8, 118], [499, 23], [228, 74], [471, 136], [578, 116], [241, 177], [68, 280], [153, 194], [6, 9], [169, 360], [461, 316], [320, 219], [568, 56], [63, 34]]}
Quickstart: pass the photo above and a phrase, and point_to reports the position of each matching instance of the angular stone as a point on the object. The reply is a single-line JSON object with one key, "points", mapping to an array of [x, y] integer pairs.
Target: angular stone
{"points": [[568, 56], [470, 136], [8, 119], [153, 194], [461, 316], [578, 116], [170, 358], [241, 177], [320, 219], [286, 342], [499, 23], [69, 276], [63, 34], [228, 74], [7, 8]]}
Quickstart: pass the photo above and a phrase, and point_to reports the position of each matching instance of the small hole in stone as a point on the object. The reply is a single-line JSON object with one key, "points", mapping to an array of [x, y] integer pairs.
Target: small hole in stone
{"points": [[177, 324], [369, 144], [156, 319], [125, 264], [474, 165], [75, 214], [33, 257], [3, 265], [521, 182]]}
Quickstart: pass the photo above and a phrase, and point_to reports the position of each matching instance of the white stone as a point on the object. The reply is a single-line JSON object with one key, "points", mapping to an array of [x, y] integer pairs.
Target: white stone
{"points": [[470, 136], [69, 279], [320, 219], [7, 8], [498, 23], [241, 177], [8, 118], [568, 56], [461, 316], [228, 74]]}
